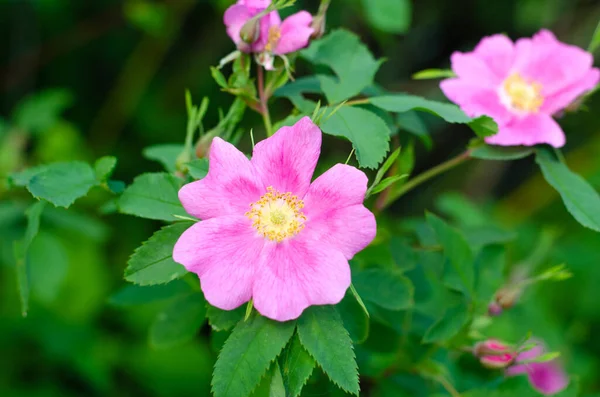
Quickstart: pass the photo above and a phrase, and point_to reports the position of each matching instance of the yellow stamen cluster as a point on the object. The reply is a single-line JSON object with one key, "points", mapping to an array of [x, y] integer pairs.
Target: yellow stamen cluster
{"points": [[273, 38], [523, 95], [277, 216]]}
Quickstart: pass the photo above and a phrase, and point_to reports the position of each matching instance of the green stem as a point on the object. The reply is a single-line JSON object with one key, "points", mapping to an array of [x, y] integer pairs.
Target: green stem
{"points": [[424, 177], [264, 108]]}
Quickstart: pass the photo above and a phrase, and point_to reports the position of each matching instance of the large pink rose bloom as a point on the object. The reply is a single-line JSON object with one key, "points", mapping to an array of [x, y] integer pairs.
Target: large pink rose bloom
{"points": [[547, 378], [521, 85], [267, 232]]}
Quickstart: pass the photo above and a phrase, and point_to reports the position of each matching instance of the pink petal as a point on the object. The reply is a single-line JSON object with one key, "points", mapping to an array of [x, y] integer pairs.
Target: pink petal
{"points": [[566, 96], [234, 18], [295, 33], [471, 68], [224, 253], [548, 378], [476, 101], [551, 63], [296, 274], [262, 4], [497, 51], [271, 19], [529, 130], [335, 213], [232, 184], [287, 160]]}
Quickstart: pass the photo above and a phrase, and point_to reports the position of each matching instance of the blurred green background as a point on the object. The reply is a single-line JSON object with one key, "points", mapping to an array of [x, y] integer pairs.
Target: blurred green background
{"points": [[82, 79]]}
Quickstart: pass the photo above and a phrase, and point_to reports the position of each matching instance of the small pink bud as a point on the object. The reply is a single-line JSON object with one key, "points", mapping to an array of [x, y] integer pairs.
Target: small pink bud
{"points": [[497, 361], [494, 309], [490, 347]]}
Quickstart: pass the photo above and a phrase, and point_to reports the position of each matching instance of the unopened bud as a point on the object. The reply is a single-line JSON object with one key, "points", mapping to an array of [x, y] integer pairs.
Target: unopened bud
{"points": [[498, 361], [203, 145], [494, 309], [318, 26], [250, 31], [490, 347], [507, 297]]}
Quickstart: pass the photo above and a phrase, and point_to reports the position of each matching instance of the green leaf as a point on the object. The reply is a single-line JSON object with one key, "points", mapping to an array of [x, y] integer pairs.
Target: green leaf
{"points": [[218, 77], [22, 178], [448, 326], [297, 366], [368, 133], [198, 169], [62, 183], [350, 60], [433, 74], [490, 265], [179, 322], [385, 167], [165, 154], [153, 196], [302, 85], [152, 263], [492, 152], [247, 354], [224, 320], [581, 200], [413, 123], [484, 126], [387, 182], [323, 335], [354, 317], [132, 295], [21, 250], [48, 264], [402, 103], [271, 385], [387, 288], [456, 250], [595, 42], [391, 16], [41, 111], [104, 167]]}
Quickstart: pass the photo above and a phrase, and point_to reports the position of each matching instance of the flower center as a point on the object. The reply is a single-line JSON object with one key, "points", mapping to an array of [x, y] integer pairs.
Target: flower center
{"points": [[273, 38], [277, 216], [522, 95]]}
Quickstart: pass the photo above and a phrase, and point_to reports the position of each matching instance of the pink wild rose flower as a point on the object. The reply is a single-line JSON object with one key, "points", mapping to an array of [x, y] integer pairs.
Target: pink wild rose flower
{"points": [[267, 232], [274, 37], [547, 377], [521, 85]]}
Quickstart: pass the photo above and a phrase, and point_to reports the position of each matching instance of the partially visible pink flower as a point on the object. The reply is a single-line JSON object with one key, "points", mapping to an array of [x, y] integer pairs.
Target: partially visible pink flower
{"points": [[547, 377], [242, 12], [267, 232], [521, 85], [494, 354]]}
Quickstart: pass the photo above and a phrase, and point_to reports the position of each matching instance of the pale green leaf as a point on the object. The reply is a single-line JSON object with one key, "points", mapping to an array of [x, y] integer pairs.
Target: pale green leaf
{"points": [[401, 103], [484, 126], [595, 42], [104, 167], [198, 169], [433, 74], [387, 182], [166, 154], [179, 322], [62, 183]]}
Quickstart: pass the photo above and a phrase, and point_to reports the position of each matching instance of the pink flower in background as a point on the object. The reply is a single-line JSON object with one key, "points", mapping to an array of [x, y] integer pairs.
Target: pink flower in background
{"points": [[267, 232], [521, 85], [274, 37], [547, 377]]}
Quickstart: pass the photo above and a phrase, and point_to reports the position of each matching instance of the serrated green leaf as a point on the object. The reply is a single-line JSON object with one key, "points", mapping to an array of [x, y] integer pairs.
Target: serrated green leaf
{"points": [[323, 335], [456, 250], [132, 294], [21, 249], [581, 200], [248, 354], [296, 366], [350, 60], [152, 263], [433, 74], [104, 167], [387, 288], [224, 320], [368, 133], [492, 152], [153, 196], [198, 169], [271, 384], [165, 154], [448, 326], [391, 16], [179, 322], [354, 317], [62, 183], [401, 103], [484, 126]]}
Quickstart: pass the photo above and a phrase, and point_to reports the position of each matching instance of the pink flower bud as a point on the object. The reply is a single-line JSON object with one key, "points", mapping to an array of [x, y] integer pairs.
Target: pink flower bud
{"points": [[494, 309], [497, 361], [490, 347]]}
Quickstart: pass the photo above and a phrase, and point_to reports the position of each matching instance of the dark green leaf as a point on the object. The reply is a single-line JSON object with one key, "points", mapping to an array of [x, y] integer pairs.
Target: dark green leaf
{"points": [[62, 183], [323, 335], [165, 154], [354, 317], [491, 152], [247, 355], [448, 326], [433, 74], [581, 200], [490, 265], [297, 366], [152, 263], [153, 196], [179, 322], [351, 61], [387, 288], [412, 122], [484, 126], [198, 169], [224, 320], [132, 295], [391, 16], [401, 103], [271, 384], [368, 133], [104, 167], [41, 111], [456, 250]]}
